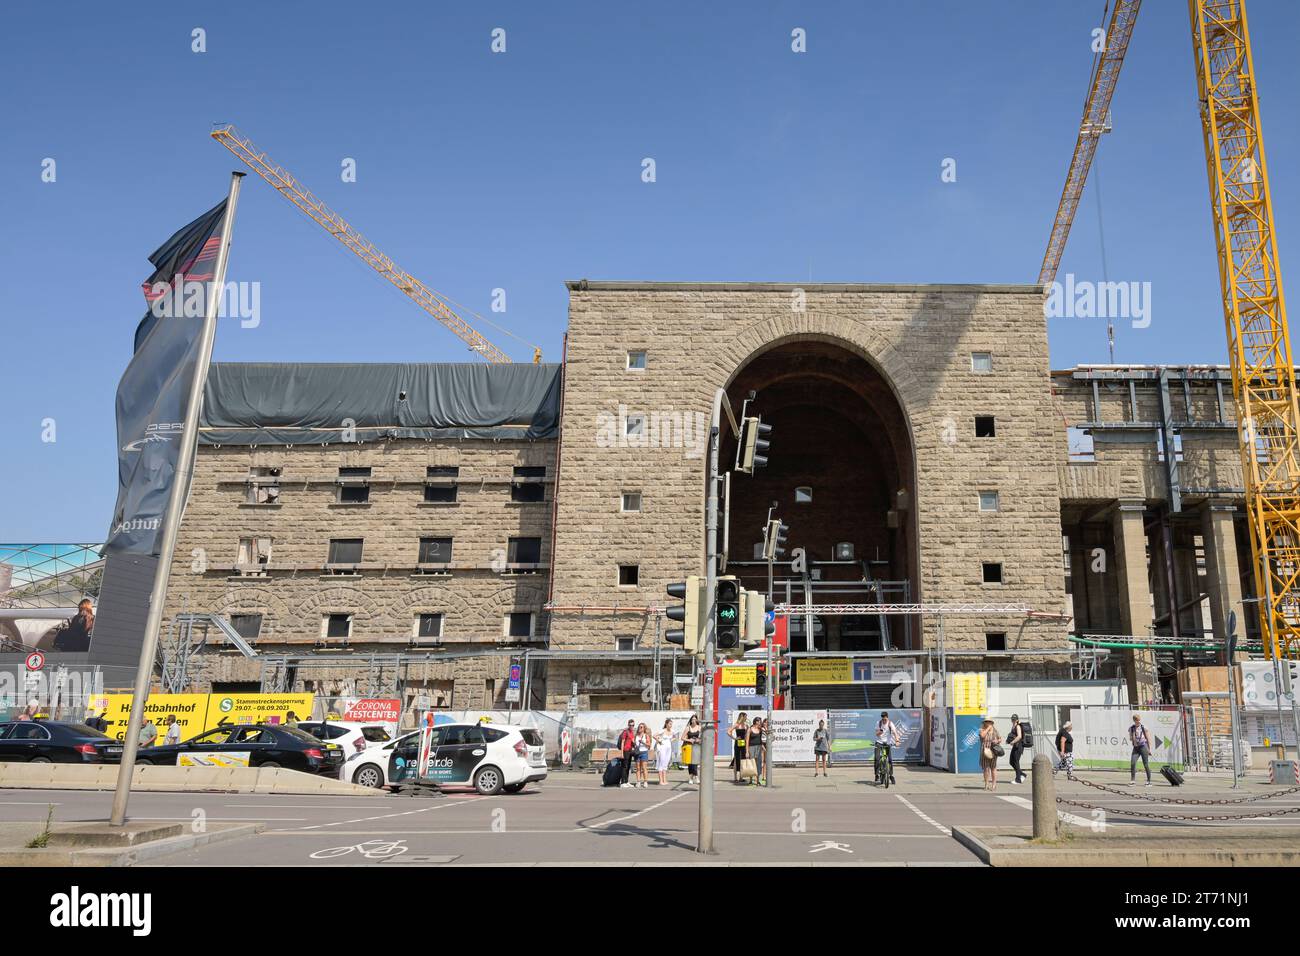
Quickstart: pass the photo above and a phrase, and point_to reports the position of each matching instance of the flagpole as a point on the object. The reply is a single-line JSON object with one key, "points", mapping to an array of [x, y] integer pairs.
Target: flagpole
{"points": [[172, 519]]}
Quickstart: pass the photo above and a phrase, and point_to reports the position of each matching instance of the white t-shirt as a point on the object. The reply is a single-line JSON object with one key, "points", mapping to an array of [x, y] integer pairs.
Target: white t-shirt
{"points": [[173, 735], [885, 732]]}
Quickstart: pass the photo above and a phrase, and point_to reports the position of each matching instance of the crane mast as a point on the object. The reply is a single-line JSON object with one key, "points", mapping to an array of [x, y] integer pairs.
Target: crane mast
{"points": [[1259, 343], [291, 189]]}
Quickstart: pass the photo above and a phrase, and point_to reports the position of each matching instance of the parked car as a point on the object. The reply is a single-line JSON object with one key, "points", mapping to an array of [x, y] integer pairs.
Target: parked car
{"points": [[266, 745], [353, 737], [370, 767], [50, 741], [488, 757]]}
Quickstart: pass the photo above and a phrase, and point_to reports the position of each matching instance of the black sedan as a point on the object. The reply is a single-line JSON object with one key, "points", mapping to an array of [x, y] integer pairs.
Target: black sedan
{"points": [[51, 741], [252, 745]]}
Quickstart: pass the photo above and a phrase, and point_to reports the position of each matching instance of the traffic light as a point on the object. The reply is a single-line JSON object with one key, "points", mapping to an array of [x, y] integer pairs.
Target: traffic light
{"points": [[760, 680], [755, 627], [774, 539], [784, 669], [727, 613], [753, 444], [690, 613]]}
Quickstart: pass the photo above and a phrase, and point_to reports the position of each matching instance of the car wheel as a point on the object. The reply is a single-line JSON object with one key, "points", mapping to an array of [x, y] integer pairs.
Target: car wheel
{"points": [[514, 787], [270, 763], [40, 760], [368, 775], [143, 763], [488, 781]]}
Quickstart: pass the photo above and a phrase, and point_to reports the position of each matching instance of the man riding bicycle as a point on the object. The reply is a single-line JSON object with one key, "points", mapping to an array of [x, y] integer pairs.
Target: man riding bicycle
{"points": [[887, 738]]}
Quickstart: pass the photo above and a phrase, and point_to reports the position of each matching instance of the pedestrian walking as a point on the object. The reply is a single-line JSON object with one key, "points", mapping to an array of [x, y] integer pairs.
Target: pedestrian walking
{"points": [[691, 749], [821, 748], [627, 749], [739, 734], [756, 748], [1137, 736], [173, 733], [148, 733], [1016, 741], [643, 744], [664, 751], [990, 751], [1065, 750]]}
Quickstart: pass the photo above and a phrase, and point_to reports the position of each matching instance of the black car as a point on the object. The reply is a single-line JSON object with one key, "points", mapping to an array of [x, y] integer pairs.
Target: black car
{"points": [[52, 741], [267, 745]]}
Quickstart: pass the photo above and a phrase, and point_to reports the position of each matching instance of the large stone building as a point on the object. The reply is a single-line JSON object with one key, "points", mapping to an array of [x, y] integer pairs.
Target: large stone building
{"points": [[418, 527]]}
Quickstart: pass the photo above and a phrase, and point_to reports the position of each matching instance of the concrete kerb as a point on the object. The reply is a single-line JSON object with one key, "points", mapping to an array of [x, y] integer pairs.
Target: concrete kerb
{"points": [[1133, 846], [124, 855], [29, 776]]}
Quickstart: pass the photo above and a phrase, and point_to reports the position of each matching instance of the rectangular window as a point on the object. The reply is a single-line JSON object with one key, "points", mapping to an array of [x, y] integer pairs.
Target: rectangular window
{"points": [[428, 626], [441, 486], [803, 495], [1082, 448], [524, 551], [345, 550], [247, 626], [528, 484], [253, 554], [440, 494], [631, 501], [981, 362], [985, 427], [337, 626], [992, 572], [634, 426], [995, 641], [354, 486], [625, 643], [435, 551], [629, 575], [636, 361], [263, 486], [989, 501], [519, 624]]}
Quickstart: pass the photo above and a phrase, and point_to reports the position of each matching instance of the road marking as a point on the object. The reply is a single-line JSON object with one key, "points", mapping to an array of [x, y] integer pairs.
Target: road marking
{"points": [[468, 832], [28, 803], [1067, 817], [915, 809], [633, 816], [385, 816]]}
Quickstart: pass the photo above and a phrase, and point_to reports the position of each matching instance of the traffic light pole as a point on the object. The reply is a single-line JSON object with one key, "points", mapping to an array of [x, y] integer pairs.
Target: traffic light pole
{"points": [[709, 738]]}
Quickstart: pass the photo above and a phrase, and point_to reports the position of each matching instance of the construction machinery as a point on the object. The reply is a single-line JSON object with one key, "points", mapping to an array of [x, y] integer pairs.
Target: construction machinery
{"points": [[1259, 343], [291, 189]]}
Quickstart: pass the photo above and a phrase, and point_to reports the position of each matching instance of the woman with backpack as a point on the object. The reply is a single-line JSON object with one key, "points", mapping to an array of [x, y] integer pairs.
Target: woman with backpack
{"points": [[990, 751]]}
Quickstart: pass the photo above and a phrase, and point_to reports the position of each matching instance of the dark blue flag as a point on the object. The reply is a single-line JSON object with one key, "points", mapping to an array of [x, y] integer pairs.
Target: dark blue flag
{"points": [[154, 391]]}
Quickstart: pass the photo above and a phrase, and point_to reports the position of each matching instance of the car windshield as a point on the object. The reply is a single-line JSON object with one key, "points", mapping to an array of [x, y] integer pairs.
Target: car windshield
{"points": [[375, 735], [531, 737]]}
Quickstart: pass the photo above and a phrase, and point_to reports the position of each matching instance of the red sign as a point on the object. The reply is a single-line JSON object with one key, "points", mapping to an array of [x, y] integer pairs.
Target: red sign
{"points": [[380, 710], [35, 661]]}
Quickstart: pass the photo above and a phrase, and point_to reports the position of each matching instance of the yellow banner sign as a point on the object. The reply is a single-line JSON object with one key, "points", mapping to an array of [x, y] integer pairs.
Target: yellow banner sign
{"points": [[741, 676], [824, 670], [257, 708], [199, 712], [230, 758], [970, 694]]}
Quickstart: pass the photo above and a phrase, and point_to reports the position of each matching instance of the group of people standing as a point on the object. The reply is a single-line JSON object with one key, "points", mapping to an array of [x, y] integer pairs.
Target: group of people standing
{"points": [[749, 742], [637, 743]]}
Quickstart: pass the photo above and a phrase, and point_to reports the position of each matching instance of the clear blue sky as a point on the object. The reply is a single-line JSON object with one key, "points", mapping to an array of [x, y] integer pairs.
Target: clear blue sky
{"points": [[521, 170]]}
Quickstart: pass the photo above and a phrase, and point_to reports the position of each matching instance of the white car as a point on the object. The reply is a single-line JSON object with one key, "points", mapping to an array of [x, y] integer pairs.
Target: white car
{"points": [[353, 738], [488, 757]]}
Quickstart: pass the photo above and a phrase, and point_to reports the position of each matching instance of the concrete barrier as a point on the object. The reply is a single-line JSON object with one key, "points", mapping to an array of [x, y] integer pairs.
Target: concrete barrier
{"points": [[67, 776]]}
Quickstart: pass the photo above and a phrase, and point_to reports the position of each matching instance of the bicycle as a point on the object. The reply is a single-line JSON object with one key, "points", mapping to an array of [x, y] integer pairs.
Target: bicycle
{"points": [[884, 765]]}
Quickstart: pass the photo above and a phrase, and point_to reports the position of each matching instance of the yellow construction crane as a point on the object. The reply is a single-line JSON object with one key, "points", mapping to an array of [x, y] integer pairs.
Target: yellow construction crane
{"points": [[1259, 342], [291, 189]]}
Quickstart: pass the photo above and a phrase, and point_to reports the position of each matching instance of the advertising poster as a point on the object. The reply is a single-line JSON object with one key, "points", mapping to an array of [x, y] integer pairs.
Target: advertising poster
{"points": [[739, 675], [190, 711], [968, 742], [792, 734], [1259, 688], [1101, 737], [731, 701], [940, 728], [823, 670], [257, 708], [230, 758], [853, 735], [969, 693]]}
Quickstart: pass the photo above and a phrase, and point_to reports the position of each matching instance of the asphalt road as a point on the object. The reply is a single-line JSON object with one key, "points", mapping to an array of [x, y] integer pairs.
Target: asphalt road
{"points": [[570, 819]]}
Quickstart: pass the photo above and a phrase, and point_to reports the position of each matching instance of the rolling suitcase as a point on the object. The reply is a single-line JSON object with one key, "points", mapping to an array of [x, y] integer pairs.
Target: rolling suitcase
{"points": [[613, 773], [1173, 776]]}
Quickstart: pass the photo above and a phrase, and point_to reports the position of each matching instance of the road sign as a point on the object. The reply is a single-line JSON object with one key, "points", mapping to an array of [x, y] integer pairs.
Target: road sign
{"points": [[512, 689], [35, 661]]}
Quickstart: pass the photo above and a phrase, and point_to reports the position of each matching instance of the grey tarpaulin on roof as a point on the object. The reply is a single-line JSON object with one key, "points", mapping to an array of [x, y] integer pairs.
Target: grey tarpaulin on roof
{"points": [[308, 404]]}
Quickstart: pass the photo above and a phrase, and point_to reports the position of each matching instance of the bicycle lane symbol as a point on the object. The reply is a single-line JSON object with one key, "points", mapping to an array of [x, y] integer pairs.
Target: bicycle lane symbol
{"points": [[371, 850]]}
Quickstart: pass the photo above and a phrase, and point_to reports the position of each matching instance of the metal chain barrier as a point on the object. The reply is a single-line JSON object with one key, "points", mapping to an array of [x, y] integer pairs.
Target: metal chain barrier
{"points": [[1176, 816], [1189, 801]]}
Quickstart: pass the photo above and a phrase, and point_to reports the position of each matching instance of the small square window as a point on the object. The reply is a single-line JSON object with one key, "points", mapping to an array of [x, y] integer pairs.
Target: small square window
{"points": [[442, 471], [519, 624], [995, 641], [985, 427], [354, 487], [629, 575], [247, 626], [435, 551], [528, 485], [524, 551], [631, 501], [428, 626], [440, 494], [803, 495], [634, 426], [625, 643], [981, 362], [992, 572], [337, 626], [636, 361], [1082, 448], [345, 550], [989, 501]]}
